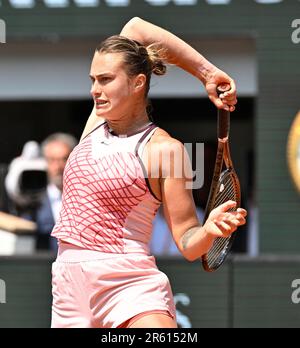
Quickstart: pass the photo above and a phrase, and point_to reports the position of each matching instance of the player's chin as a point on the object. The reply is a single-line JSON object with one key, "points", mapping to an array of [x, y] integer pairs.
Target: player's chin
{"points": [[101, 113]]}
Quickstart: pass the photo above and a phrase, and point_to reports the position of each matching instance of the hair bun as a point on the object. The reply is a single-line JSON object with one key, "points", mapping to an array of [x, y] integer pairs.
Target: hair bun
{"points": [[156, 57]]}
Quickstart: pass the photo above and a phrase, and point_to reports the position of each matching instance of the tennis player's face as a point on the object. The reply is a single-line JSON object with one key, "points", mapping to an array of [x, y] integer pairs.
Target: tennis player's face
{"points": [[112, 89]]}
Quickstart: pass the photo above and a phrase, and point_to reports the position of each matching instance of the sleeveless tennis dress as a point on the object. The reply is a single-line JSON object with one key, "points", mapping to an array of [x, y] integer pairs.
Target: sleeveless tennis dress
{"points": [[104, 273]]}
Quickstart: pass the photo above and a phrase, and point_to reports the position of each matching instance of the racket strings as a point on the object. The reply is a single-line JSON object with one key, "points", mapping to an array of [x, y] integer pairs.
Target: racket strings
{"points": [[226, 195], [226, 191], [218, 249]]}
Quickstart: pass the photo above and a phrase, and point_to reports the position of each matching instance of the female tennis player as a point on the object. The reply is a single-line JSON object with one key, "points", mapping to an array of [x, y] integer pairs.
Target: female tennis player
{"points": [[116, 179]]}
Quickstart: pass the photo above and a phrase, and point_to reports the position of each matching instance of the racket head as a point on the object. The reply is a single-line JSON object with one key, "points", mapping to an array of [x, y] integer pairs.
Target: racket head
{"points": [[228, 188]]}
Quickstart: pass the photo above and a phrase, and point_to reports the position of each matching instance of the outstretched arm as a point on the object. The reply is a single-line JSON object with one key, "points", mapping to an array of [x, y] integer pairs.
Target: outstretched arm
{"points": [[184, 56]]}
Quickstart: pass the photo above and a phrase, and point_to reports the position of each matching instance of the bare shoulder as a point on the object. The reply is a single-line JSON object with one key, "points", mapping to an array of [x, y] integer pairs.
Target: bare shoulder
{"points": [[170, 155], [164, 140]]}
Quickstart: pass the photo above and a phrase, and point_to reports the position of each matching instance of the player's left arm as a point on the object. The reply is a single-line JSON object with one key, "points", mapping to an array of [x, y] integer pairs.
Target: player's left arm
{"points": [[191, 237], [177, 200]]}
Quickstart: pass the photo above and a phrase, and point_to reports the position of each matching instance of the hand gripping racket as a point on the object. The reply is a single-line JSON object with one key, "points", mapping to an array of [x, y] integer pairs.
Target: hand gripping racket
{"points": [[225, 186]]}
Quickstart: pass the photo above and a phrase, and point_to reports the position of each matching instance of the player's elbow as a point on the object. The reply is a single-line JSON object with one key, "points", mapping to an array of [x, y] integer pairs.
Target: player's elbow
{"points": [[131, 26], [135, 20]]}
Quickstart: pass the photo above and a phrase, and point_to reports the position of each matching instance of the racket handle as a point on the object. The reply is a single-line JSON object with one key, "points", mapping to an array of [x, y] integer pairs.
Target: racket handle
{"points": [[223, 115], [223, 87]]}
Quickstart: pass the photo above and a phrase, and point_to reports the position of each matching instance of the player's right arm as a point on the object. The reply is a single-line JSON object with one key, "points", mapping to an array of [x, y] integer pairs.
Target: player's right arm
{"points": [[178, 52]]}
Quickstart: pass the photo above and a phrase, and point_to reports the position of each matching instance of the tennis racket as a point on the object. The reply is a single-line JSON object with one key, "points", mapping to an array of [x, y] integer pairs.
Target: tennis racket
{"points": [[225, 186]]}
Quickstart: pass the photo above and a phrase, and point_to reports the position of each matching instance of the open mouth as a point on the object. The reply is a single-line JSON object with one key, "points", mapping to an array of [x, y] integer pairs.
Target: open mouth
{"points": [[101, 102]]}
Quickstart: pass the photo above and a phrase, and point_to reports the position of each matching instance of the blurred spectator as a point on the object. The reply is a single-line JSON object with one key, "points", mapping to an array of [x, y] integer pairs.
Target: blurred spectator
{"points": [[56, 149]]}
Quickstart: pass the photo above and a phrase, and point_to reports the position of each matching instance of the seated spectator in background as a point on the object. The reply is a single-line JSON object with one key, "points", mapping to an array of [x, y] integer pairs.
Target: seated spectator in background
{"points": [[56, 149], [44, 205]]}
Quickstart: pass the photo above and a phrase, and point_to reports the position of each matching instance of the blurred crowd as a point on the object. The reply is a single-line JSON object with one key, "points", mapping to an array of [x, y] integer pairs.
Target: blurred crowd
{"points": [[34, 183]]}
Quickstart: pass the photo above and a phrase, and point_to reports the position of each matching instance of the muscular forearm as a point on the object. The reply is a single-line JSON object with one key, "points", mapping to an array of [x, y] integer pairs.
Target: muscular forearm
{"points": [[177, 51], [195, 242]]}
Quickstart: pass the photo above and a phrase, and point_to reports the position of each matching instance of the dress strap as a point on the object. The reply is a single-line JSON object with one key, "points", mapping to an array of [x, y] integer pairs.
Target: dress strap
{"points": [[144, 139]]}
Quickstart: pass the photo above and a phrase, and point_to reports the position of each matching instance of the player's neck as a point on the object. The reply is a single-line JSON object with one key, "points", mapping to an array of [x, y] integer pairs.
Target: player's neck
{"points": [[128, 126]]}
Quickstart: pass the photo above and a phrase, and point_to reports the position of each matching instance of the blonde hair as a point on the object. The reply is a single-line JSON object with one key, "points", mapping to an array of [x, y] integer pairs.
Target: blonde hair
{"points": [[138, 59]]}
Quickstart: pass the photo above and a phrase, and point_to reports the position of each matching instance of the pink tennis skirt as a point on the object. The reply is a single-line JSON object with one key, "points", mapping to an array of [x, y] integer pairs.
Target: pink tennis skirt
{"points": [[102, 290]]}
